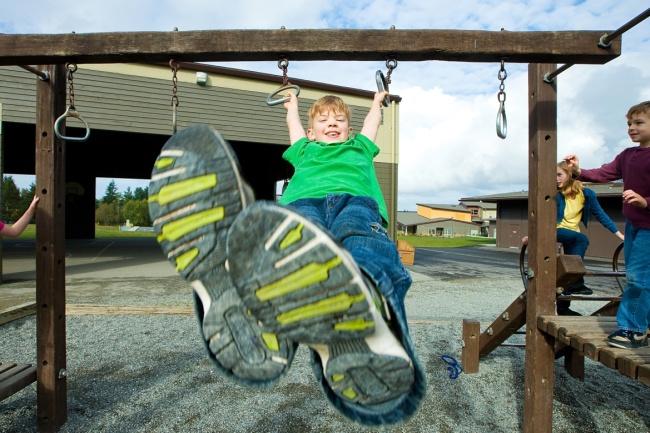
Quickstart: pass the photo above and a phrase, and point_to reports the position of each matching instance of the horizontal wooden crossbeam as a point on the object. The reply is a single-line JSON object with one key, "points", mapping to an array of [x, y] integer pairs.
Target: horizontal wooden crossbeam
{"points": [[265, 45]]}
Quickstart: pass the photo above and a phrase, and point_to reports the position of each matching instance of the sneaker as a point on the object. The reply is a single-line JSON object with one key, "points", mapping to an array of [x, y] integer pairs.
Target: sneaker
{"points": [[627, 339], [302, 286], [580, 290], [195, 194]]}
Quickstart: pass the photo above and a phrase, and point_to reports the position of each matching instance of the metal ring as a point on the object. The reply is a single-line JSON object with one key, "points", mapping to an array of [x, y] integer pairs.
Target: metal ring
{"points": [[502, 121], [72, 67], [271, 102], [382, 86], [283, 63], [391, 63], [70, 112]]}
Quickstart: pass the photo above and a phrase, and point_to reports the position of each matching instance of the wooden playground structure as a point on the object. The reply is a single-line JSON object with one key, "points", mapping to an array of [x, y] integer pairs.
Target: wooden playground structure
{"points": [[541, 50]]}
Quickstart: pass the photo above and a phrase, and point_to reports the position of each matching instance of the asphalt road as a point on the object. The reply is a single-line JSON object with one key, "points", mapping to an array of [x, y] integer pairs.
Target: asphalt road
{"points": [[476, 262]]}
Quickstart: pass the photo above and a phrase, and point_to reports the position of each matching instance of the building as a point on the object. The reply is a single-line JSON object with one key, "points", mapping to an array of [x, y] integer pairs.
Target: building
{"points": [[128, 108], [485, 215], [437, 220], [512, 218]]}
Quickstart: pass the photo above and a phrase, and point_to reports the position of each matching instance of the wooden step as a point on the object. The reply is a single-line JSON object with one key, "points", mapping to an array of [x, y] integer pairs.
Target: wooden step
{"points": [[14, 377], [588, 335]]}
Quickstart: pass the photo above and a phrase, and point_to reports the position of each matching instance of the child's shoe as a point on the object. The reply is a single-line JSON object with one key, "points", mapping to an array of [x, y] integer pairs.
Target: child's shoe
{"points": [[195, 194], [300, 284], [627, 339]]}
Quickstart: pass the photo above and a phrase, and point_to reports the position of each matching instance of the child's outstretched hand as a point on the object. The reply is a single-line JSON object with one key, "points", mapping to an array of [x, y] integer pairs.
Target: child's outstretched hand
{"points": [[572, 160], [292, 102], [635, 199], [379, 97], [34, 202]]}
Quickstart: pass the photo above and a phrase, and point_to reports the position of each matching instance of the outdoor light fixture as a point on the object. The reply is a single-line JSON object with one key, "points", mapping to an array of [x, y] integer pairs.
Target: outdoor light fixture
{"points": [[201, 78]]}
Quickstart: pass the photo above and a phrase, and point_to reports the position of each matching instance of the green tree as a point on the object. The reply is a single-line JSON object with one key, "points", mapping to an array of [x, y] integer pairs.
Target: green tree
{"points": [[11, 203], [137, 212], [111, 195], [128, 195], [141, 193], [27, 195], [107, 214]]}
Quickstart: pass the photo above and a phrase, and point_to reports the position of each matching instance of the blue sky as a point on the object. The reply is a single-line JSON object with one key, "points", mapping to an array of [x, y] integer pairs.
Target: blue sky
{"points": [[448, 145]]}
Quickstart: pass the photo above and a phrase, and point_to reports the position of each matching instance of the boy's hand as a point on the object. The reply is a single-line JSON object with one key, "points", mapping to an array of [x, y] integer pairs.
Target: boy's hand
{"points": [[572, 160], [379, 97], [631, 197], [292, 102], [34, 202]]}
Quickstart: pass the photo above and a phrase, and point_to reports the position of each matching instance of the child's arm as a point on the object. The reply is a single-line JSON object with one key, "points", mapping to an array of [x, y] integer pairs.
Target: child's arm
{"points": [[15, 229], [373, 118], [600, 214], [606, 173], [296, 131]]}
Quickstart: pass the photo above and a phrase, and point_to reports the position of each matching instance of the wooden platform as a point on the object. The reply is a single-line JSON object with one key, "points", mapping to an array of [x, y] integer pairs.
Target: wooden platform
{"points": [[588, 336], [14, 377]]}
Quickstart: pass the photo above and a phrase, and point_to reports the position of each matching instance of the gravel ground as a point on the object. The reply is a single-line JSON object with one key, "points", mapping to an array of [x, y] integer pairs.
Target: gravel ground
{"points": [[150, 374]]}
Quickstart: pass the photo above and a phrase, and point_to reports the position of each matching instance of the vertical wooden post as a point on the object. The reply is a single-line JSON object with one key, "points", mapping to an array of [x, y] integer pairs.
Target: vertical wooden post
{"points": [[542, 154], [50, 253], [470, 355], [2, 173]]}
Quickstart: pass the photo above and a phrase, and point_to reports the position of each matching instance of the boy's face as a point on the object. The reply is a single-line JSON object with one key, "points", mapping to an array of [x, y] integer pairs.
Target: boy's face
{"points": [[329, 127], [638, 128]]}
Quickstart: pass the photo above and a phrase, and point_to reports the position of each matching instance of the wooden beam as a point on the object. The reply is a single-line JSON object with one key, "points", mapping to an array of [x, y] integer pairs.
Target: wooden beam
{"points": [[50, 253], [542, 153], [327, 44]]}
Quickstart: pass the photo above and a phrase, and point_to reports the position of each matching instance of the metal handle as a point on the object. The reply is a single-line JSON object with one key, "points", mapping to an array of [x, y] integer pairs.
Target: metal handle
{"points": [[502, 121], [271, 102], [382, 86], [70, 112]]}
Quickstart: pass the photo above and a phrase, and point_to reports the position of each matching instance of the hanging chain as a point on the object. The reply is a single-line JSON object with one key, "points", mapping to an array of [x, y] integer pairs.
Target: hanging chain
{"points": [[502, 122], [390, 64], [502, 75], [174, 100], [72, 68], [284, 65]]}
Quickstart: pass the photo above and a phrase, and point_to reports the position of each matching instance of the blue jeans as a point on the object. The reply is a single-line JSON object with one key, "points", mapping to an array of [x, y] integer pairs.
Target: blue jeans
{"points": [[575, 244], [634, 311], [356, 224]]}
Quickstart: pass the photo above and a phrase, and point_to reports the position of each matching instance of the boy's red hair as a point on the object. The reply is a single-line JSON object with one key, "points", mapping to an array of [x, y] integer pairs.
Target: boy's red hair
{"points": [[326, 104]]}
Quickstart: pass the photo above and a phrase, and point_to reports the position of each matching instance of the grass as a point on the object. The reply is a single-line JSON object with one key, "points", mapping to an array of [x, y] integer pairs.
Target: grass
{"points": [[100, 232], [417, 241], [440, 242]]}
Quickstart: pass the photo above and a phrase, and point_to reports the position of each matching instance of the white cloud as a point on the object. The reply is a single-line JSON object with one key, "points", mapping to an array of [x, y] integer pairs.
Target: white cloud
{"points": [[449, 148]]}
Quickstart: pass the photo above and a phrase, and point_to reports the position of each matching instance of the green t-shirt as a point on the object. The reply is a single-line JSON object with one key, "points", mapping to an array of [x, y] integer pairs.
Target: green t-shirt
{"points": [[336, 168]]}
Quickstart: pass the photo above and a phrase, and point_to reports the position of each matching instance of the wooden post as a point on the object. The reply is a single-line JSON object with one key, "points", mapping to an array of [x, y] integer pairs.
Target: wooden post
{"points": [[50, 253], [2, 171], [542, 154], [470, 356]]}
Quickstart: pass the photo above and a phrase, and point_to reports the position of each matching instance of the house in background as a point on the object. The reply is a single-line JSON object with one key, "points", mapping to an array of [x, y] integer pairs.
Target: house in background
{"points": [[483, 214], [512, 218], [437, 220]]}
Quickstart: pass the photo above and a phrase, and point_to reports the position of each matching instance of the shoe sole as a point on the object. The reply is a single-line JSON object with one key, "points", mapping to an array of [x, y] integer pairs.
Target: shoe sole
{"points": [[296, 281], [195, 194]]}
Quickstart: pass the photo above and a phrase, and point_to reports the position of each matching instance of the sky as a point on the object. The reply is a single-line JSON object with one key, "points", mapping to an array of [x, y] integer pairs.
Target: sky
{"points": [[448, 144]]}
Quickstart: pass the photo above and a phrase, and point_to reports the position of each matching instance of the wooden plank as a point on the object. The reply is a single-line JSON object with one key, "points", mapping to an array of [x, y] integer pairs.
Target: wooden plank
{"points": [[542, 153], [592, 347], [16, 312], [15, 377], [326, 44], [50, 253], [126, 310], [629, 364], [644, 374], [566, 335], [470, 354], [508, 322]]}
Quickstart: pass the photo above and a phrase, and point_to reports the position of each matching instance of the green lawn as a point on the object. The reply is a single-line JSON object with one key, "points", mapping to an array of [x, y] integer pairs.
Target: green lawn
{"points": [[439, 242], [100, 232], [416, 241]]}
